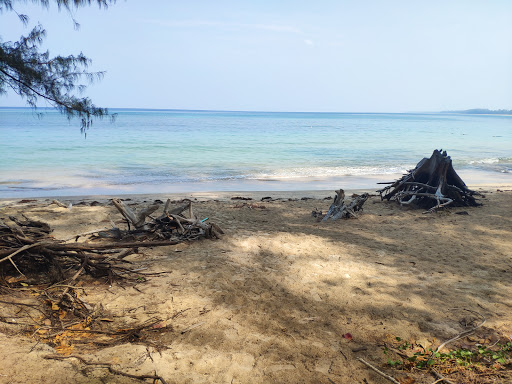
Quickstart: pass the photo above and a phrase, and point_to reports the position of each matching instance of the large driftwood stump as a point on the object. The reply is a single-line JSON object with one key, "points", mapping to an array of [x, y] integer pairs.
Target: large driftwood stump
{"points": [[433, 184], [339, 209]]}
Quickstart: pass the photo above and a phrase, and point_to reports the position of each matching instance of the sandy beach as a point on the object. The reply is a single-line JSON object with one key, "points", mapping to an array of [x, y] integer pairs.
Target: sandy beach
{"points": [[281, 298], [255, 192]]}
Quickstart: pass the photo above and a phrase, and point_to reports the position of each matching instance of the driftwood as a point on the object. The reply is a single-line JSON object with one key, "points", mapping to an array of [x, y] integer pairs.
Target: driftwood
{"points": [[30, 255], [339, 209], [172, 224], [29, 248], [59, 204], [433, 184], [137, 220]]}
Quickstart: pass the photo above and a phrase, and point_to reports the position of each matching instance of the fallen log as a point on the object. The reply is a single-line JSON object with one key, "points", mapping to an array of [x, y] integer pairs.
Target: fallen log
{"points": [[432, 184], [100, 246]]}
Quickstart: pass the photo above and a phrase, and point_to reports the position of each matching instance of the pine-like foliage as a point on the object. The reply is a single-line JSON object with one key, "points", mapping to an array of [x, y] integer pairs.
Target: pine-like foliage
{"points": [[34, 75]]}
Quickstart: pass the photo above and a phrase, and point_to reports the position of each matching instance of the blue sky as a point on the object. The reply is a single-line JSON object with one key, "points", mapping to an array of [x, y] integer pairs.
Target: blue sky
{"points": [[346, 56]]}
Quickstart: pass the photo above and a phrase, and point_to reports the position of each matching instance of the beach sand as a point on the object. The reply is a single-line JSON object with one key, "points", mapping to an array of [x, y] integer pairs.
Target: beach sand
{"points": [[271, 301]]}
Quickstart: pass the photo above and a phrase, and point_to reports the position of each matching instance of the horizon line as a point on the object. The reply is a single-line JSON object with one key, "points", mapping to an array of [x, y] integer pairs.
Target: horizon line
{"points": [[226, 110], [462, 111]]}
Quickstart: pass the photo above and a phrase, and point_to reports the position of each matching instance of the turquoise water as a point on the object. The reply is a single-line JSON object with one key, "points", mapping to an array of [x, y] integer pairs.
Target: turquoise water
{"points": [[159, 151]]}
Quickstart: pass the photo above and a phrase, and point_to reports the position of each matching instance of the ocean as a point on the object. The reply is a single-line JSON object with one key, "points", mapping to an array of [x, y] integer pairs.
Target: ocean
{"points": [[168, 151]]}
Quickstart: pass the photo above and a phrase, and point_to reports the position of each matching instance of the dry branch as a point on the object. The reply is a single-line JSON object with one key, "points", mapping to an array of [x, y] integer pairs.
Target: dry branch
{"points": [[440, 378], [137, 220], [465, 333], [392, 379], [59, 204]]}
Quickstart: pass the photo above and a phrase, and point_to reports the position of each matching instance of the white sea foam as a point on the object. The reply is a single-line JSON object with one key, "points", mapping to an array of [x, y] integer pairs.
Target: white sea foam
{"points": [[485, 161], [319, 172]]}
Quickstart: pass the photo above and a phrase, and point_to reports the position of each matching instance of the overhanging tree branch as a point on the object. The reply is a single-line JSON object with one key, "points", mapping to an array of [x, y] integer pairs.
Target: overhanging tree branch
{"points": [[44, 96], [33, 75]]}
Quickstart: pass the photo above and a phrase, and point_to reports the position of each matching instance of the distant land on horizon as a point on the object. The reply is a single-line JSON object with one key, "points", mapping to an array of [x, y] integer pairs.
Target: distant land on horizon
{"points": [[483, 111], [474, 111]]}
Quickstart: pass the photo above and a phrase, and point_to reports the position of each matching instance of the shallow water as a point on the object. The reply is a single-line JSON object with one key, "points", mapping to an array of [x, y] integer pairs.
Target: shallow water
{"points": [[146, 151]]}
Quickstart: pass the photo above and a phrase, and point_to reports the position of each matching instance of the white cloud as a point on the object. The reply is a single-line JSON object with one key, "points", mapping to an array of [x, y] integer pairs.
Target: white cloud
{"points": [[309, 42]]}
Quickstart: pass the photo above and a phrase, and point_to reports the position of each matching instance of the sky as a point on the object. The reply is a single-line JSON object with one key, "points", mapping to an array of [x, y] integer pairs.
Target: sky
{"points": [[339, 56]]}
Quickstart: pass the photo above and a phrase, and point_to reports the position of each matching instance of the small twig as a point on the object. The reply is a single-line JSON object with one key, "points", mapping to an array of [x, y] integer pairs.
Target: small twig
{"points": [[441, 378], [179, 313], [82, 267], [124, 271], [193, 327], [24, 248], [108, 366], [465, 333], [15, 303], [15, 266], [35, 345], [378, 371], [33, 306], [59, 204], [67, 286], [75, 237], [145, 326], [125, 253]]}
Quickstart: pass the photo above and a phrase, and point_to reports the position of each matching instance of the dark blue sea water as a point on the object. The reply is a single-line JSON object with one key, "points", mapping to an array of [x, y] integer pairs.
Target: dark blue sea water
{"points": [[157, 151]]}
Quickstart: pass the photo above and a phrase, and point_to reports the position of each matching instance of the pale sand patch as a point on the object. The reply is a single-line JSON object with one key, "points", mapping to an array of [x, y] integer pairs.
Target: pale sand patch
{"points": [[272, 299]]}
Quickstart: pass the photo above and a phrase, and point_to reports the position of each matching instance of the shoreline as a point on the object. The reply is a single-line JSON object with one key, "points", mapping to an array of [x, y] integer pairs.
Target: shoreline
{"points": [[223, 196], [368, 183]]}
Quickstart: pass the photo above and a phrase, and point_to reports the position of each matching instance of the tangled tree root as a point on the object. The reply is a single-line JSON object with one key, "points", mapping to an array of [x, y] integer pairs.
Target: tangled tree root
{"points": [[433, 184]]}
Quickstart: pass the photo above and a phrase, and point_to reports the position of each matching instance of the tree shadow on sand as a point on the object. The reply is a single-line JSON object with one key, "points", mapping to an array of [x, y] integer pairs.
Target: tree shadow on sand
{"points": [[291, 295], [285, 299]]}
